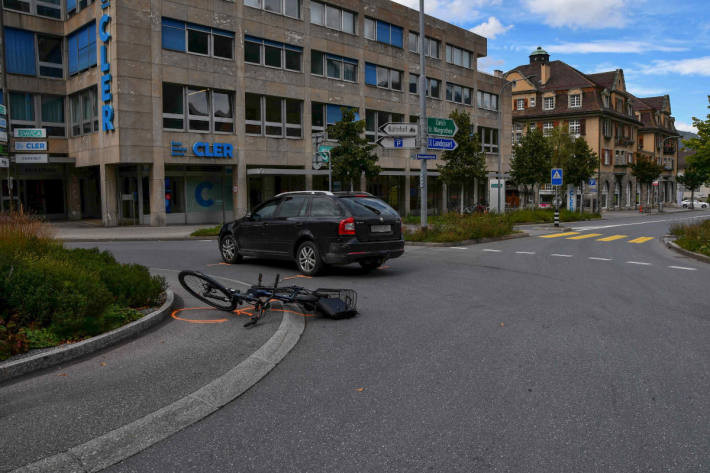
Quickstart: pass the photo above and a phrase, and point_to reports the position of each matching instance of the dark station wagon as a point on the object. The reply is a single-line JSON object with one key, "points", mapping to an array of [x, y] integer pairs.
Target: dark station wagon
{"points": [[315, 229]]}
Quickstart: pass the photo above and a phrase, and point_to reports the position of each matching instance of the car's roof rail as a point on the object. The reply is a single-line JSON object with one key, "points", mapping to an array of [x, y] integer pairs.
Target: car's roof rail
{"points": [[355, 193], [305, 192]]}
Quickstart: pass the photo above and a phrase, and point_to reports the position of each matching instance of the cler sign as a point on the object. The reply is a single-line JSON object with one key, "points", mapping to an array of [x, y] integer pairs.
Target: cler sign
{"points": [[106, 96], [215, 150]]}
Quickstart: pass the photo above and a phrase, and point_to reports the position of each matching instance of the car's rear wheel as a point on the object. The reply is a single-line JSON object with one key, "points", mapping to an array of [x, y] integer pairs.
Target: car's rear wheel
{"points": [[229, 250], [308, 259]]}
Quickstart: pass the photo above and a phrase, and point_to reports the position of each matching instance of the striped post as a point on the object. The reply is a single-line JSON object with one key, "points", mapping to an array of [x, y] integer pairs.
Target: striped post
{"points": [[557, 217]]}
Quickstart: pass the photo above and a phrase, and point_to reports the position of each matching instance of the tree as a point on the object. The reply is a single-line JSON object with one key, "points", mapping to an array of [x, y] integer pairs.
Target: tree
{"points": [[580, 166], [701, 146], [645, 169], [468, 161], [531, 160], [353, 155], [692, 179]]}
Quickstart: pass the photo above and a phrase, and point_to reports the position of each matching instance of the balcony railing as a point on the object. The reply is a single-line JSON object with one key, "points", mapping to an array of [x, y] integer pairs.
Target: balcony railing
{"points": [[669, 150], [620, 161], [624, 141], [668, 164]]}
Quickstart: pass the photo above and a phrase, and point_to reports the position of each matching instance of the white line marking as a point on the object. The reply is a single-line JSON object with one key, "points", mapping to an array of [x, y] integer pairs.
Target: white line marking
{"points": [[599, 227], [600, 259], [525, 252], [683, 267], [639, 263], [458, 248], [561, 256], [493, 251]]}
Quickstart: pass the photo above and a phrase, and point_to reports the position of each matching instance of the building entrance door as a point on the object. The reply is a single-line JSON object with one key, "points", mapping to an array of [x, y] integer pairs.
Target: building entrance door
{"points": [[129, 211]]}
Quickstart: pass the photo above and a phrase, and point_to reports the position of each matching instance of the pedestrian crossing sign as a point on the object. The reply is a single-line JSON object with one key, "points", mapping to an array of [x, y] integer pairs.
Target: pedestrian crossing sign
{"points": [[556, 177]]}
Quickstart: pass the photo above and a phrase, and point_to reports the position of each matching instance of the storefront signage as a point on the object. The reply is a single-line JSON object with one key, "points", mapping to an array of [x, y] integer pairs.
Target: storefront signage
{"points": [[203, 149], [3, 110], [3, 136], [30, 133], [3, 123], [4, 163], [32, 158], [30, 146], [106, 96]]}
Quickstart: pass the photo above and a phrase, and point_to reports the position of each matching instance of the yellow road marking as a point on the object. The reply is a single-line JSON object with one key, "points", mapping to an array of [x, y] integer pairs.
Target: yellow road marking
{"points": [[557, 235], [612, 238], [641, 240], [582, 237]]}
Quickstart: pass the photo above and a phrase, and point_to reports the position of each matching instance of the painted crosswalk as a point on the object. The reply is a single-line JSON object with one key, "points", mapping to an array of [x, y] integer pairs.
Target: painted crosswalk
{"points": [[599, 237]]}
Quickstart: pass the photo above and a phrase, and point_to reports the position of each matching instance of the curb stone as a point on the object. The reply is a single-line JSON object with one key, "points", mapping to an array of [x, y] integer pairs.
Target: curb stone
{"points": [[124, 442], [670, 243], [64, 353], [467, 242]]}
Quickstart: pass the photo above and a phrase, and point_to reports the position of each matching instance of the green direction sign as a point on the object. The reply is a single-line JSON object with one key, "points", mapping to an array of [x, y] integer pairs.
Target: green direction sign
{"points": [[441, 126], [3, 110]]}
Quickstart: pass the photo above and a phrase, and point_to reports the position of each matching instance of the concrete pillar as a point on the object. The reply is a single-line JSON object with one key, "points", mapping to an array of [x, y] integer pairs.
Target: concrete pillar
{"points": [[241, 206], [309, 182], [158, 217], [109, 194], [73, 197], [363, 183]]}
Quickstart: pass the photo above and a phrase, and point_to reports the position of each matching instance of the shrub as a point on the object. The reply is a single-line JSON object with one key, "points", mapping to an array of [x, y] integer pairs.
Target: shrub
{"points": [[693, 237], [455, 227], [12, 338]]}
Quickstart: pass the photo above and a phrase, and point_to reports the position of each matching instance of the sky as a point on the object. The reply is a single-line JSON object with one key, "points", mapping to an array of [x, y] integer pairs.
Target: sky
{"points": [[662, 46]]}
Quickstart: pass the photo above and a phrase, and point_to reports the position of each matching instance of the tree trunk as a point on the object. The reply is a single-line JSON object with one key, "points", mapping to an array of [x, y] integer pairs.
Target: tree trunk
{"points": [[692, 198], [461, 201]]}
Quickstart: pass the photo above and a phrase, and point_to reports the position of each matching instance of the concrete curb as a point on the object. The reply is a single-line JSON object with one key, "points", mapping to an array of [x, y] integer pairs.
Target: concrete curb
{"points": [[126, 441], [674, 246], [467, 242], [64, 353]]}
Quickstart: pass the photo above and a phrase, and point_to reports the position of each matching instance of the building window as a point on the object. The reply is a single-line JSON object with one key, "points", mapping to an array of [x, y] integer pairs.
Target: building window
{"points": [[488, 101], [323, 115], [459, 94], [489, 139], [548, 103], [81, 45], [197, 39], [20, 54], [575, 128], [272, 54], [575, 101], [48, 8], [333, 17], [49, 55], [84, 112], [207, 110], [374, 120], [334, 67], [517, 133], [73, 7], [605, 100], [433, 86], [606, 128], [383, 77], [290, 8], [431, 45], [459, 57], [51, 117], [383, 32], [532, 101], [547, 128], [270, 116], [520, 104]]}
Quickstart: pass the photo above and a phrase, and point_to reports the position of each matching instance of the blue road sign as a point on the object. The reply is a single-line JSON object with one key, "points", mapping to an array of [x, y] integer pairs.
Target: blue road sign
{"points": [[593, 183], [556, 177], [441, 143], [425, 156]]}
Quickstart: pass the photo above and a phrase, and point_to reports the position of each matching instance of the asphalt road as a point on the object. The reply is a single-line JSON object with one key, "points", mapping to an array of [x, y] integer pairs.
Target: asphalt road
{"points": [[529, 355]]}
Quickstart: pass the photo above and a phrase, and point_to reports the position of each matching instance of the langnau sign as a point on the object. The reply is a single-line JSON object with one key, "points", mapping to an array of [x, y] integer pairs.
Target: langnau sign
{"points": [[106, 96]]}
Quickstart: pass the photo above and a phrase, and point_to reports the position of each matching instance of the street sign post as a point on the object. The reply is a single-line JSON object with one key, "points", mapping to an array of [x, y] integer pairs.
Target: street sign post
{"points": [[400, 129], [396, 142], [424, 156], [556, 176], [441, 126], [446, 144]]}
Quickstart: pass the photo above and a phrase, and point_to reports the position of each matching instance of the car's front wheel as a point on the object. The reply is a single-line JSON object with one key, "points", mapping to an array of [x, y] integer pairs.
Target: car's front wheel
{"points": [[229, 249], [308, 259]]}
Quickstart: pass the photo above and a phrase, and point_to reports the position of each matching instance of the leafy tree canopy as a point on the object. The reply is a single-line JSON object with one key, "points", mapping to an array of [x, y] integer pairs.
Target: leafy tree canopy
{"points": [[468, 161], [531, 163], [701, 146], [645, 169], [353, 155]]}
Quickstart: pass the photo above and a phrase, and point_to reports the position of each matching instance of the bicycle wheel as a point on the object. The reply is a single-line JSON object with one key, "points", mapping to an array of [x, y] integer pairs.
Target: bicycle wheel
{"points": [[208, 290]]}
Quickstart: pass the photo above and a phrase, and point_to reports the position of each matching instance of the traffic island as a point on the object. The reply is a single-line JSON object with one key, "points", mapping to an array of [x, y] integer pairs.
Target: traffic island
{"points": [[691, 239]]}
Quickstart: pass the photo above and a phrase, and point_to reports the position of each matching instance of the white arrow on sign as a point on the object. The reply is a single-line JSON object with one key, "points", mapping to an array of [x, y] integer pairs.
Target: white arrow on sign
{"points": [[400, 129], [395, 142]]}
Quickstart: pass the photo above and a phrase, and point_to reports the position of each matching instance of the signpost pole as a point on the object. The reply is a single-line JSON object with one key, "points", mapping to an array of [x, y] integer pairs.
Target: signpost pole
{"points": [[423, 128]]}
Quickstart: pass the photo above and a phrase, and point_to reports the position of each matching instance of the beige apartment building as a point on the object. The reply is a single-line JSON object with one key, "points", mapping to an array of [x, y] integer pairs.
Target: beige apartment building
{"points": [[616, 125], [175, 111]]}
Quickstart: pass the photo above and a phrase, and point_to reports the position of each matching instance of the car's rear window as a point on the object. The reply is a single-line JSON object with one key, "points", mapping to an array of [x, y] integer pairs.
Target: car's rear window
{"points": [[368, 207]]}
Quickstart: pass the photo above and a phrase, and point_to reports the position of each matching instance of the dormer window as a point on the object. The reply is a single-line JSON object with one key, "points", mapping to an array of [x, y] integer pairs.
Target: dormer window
{"points": [[605, 100], [629, 110], [548, 103], [575, 101], [520, 104]]}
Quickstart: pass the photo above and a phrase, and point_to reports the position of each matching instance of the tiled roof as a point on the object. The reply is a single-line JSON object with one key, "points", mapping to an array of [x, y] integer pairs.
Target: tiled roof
{"points": [[655, 102], [562, 76], [604, 79]]}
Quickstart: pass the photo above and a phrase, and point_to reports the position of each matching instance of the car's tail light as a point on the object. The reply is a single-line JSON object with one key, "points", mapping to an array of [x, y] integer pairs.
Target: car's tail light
{"points": [[347, 226]]}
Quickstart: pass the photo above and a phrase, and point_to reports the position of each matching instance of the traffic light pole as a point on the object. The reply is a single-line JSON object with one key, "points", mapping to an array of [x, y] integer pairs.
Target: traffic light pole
{"points": [[423, 123]]}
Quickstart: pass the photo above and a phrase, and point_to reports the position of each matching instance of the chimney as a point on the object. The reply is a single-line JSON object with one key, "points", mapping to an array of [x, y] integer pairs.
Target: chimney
{"points": [[544, 73], [498, 73]]}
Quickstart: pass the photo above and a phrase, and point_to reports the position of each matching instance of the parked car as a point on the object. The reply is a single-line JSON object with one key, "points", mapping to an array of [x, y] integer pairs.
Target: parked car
{"points": [[315, 229], [696, 204]]}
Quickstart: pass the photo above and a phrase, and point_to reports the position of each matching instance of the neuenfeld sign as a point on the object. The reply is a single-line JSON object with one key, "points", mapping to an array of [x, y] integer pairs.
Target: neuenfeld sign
{"points": [[30, 146], [441, 126], [30, 133]]}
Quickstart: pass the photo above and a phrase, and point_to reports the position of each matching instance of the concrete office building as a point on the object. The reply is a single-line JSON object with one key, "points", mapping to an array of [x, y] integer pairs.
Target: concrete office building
{"points": [[175, 111]]}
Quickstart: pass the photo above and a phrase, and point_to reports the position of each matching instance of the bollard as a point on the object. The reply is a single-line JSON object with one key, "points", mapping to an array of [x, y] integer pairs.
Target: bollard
{"points": [[557, 218]]}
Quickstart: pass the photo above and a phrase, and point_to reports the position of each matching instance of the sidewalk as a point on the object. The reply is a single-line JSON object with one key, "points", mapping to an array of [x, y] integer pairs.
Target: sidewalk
{"points": [[92, 230]]}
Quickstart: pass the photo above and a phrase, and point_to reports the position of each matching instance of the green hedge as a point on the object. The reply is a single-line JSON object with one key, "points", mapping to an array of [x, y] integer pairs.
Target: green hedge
{"points": [[455, 227], [693, 237]]}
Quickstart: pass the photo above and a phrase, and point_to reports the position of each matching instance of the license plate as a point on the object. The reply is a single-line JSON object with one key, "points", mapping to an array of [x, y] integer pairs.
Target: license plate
{"points": [[381, 228]]}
